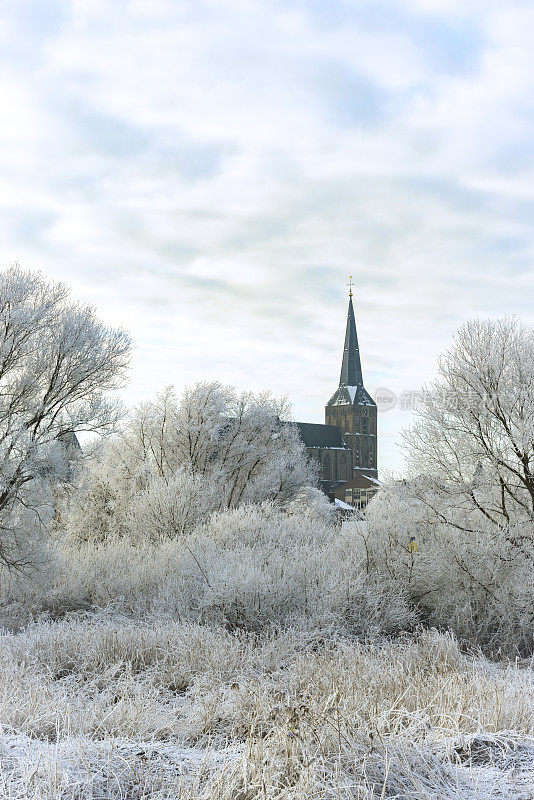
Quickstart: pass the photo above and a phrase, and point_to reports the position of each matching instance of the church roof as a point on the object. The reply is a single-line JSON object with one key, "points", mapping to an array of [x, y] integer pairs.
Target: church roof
{"points": [[345, 395], [351, 390], [325, 436], [351, 368], [362, 481]]}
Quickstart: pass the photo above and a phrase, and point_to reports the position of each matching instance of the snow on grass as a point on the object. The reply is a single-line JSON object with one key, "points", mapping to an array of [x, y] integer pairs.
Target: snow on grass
{"points": [[475, 768], [82, 768], [109, 707]]}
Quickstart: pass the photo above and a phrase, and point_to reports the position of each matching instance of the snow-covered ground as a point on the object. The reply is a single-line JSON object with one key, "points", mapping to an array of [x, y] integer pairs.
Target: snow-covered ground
{"points": [[78, 767], [499, 766], [106, 707], [477, 767]]}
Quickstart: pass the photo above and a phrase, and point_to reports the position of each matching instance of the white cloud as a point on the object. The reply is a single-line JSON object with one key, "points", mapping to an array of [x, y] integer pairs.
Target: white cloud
{"points": [[208, 173]]}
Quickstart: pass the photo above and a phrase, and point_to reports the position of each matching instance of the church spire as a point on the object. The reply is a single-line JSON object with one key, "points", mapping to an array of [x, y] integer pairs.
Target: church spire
{"points": [[352, 409], [351, 368]]}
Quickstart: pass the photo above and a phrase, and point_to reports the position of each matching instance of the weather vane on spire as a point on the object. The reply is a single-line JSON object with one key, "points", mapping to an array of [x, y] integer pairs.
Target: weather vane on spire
{"points": [[350, 284]]}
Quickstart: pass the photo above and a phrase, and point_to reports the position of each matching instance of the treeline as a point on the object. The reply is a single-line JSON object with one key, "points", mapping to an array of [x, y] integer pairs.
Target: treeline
{"points": [[200, 506]]}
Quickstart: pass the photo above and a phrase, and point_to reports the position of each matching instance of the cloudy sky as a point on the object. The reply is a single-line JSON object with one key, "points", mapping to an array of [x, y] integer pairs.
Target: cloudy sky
{"points": [[208, 173]]}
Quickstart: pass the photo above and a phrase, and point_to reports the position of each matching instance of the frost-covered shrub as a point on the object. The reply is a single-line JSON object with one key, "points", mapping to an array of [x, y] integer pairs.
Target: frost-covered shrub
{"points": [[252, 568], [312, 504], [467, 577], [263, 567]]}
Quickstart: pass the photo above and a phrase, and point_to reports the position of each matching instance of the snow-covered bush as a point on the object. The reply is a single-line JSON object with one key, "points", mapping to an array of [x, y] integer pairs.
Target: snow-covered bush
{"points": [[177, 461], [253, 568], [470, 581], [312, 504]]}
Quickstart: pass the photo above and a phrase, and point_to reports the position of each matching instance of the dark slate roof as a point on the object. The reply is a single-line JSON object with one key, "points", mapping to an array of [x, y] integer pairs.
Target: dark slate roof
{"points": [[351, 368], [351, 390], [355, 395], [314, 435]]}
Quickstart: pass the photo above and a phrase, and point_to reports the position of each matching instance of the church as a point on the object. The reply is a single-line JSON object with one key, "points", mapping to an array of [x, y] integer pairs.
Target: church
{"points": [[345, 447]]}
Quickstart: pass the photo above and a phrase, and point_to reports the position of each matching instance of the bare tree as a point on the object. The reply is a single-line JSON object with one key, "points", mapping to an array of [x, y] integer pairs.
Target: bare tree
{"points": [[57, 361], [458, 532], [475, 434]]}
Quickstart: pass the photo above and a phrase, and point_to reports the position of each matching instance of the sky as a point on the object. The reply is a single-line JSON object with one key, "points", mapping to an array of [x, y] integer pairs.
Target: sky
{"points": [[208, 173]]}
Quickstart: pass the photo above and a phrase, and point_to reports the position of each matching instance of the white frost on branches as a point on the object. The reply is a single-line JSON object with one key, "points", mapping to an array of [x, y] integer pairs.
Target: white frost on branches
{"points": [[475, 434], [459, 533], [179, 460], [57, 361]]}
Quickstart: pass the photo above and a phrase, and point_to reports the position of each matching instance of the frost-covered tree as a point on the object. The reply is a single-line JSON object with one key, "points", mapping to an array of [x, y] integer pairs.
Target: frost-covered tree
{"points": [[474, 438], [178, 460], [57, 362], [458, 534]]}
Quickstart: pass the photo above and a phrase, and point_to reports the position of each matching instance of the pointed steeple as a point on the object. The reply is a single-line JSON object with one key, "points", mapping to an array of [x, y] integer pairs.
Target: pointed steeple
{"points": [[351, 389], [352, 409], [351, 368]]}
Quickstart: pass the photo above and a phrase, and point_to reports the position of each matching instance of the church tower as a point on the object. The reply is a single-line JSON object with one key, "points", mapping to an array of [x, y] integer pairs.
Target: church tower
{"points": [[351, 408]]}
